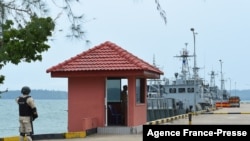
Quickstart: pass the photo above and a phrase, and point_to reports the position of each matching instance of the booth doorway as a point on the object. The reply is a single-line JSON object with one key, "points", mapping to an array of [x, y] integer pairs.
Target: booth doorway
{"points": [[114, 109]]}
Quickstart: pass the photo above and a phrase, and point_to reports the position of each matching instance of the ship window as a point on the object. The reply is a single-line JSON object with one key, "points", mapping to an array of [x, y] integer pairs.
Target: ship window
{"points": [[181, 90], [190, 90], [172, 90], [140, 90]]}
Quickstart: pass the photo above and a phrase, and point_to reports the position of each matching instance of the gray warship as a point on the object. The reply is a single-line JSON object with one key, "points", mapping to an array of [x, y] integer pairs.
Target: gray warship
{"points": [[187, 92]]}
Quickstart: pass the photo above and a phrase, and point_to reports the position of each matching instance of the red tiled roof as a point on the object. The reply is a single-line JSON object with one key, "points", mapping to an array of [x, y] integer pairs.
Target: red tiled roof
{"points": [[106, 56]]}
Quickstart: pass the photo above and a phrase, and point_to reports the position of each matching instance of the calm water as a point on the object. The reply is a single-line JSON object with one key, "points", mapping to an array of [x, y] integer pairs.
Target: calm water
{"points": [[52, 117]]}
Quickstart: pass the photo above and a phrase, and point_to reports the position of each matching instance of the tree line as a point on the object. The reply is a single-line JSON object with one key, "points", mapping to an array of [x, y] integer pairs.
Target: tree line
{"points": [[37, 94]]}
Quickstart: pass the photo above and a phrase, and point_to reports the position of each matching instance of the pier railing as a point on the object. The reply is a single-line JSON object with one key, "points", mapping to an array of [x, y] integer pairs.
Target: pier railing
{"points": [[158, 108]]}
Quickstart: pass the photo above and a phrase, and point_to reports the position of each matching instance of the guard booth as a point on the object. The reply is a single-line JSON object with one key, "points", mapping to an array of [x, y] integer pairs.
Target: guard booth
{"points": [[95, 80]]}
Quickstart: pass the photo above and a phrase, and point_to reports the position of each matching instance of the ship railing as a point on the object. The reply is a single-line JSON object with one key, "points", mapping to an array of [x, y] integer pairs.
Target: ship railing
{"points": [[159, 103]]}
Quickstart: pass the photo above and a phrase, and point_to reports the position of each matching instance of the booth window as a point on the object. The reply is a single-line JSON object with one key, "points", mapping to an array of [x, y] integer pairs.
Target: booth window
{"points": [[140, 90]]}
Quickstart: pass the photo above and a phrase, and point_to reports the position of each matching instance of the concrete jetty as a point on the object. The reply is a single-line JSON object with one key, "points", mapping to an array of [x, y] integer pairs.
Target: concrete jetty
{"points": [[220, 116]]}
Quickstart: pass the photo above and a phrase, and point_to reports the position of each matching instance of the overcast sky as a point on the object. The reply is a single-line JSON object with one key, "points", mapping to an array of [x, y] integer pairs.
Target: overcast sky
{"points": [[223, 31]]}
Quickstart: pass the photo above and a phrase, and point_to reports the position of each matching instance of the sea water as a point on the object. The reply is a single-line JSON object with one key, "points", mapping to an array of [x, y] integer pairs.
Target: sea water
{"points": [[53, 117]]}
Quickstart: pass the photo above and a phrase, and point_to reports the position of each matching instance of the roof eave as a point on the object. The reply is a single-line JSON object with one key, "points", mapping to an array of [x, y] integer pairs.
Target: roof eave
{"points": [[107, 73]]}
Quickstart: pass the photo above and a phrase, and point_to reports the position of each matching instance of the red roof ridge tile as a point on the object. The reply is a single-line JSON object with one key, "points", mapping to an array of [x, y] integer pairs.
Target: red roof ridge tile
{"points": [[132, 58]]}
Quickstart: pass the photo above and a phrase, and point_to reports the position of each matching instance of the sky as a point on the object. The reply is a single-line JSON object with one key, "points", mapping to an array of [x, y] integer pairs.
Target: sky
{"points": [[222, 33]]}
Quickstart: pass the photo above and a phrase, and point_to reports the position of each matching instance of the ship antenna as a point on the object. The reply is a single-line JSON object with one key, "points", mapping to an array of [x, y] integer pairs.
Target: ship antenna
{"points": [[186, 44], [195, 69], [222, 78], [212, 78]]}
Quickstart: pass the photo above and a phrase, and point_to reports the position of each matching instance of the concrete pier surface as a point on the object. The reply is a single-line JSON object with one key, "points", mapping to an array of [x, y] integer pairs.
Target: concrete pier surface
{"points": [[221, 116], [100, 137]]}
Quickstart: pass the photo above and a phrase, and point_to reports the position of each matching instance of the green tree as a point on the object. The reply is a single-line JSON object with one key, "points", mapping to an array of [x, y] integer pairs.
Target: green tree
{"points": [[25, 44], [25, 28]]}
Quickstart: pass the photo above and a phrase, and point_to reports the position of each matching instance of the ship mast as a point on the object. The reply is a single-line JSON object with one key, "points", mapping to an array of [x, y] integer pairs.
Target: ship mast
{"points": [[212, 79], [185, 69], [195, 68]]}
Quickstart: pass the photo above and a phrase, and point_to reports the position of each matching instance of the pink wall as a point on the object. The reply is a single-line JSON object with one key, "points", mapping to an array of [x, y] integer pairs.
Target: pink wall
{"points": [[136, 111], [140, 110], [85, 102]]}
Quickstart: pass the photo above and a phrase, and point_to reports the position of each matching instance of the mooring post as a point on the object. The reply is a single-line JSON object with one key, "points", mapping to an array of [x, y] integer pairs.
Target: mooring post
{"points": [[190, 118], [190, 115]]}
